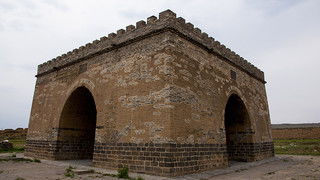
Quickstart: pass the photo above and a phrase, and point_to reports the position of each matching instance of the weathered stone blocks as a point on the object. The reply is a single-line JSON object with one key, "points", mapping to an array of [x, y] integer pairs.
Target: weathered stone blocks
{"points": [[158, 98]]}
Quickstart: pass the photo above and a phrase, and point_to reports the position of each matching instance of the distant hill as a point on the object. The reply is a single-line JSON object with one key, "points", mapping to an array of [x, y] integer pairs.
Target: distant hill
{"points": [[287, 126]]}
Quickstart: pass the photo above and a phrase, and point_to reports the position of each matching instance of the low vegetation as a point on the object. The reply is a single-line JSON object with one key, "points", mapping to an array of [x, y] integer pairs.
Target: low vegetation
{"points": [[123, 173], [19, 178], [14, 149], [18, 146], [36, 160], [69, 172], [16, 159], [297, 146]]}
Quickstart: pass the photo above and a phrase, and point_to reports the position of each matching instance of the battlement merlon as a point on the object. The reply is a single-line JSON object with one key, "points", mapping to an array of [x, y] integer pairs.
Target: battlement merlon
{"points": [[167, 21]]}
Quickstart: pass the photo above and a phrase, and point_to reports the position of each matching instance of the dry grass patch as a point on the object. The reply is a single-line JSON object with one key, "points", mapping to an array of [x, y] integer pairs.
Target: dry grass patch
{"points": [[297, 146]]}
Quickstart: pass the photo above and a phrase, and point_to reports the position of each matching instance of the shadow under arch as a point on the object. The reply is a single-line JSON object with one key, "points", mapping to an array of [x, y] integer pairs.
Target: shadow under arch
{"points": [[239, 135], [77, 124]]}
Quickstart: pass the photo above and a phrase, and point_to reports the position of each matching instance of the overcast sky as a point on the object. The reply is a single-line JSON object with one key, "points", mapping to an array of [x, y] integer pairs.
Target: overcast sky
{"points": [[281, 37]]}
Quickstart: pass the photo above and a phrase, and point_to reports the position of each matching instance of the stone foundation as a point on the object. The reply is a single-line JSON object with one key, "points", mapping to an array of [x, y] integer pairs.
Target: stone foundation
{"points": [[158, 159], [250, 151], [59, 150], [161, 159], [41, 149]]}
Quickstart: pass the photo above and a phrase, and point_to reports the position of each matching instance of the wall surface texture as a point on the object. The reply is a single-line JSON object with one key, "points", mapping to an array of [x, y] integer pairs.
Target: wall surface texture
{"points": [[158, 94]]}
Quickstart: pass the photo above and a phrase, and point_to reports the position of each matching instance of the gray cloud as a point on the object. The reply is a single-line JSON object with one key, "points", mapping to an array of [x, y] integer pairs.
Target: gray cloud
{"points": [[280, 37], [56, 4]]}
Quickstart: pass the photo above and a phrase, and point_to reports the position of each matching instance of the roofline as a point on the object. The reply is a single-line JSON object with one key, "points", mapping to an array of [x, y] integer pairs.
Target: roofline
{"points": [[167, 22]]}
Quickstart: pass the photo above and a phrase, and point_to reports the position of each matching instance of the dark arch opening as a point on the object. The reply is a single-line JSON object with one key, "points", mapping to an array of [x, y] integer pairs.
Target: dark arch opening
{"points": [[237, 126], [76, 133]]}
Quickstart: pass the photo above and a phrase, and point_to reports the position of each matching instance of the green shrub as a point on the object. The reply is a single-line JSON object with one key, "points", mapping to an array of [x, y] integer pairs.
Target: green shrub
{"points": [[139, 178], [36, 160], [69, 172], [123, 173]]}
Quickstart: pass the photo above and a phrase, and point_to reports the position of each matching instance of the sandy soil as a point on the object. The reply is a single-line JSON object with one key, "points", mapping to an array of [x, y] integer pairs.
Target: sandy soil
{"points": [[281, 167], [287, 167], [46, 169]]}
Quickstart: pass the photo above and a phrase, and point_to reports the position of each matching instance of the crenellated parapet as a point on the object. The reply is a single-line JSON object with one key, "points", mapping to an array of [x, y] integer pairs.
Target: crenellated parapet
{"points": [[167, 21]]}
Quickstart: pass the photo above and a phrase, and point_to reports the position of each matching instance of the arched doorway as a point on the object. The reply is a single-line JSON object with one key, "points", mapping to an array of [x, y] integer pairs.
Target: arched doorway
{"points": [[238, 129], [76, 133]]}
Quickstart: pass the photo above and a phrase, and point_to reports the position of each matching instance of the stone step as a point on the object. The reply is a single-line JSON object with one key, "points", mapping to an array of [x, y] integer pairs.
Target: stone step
{"points": [[83, 171]]}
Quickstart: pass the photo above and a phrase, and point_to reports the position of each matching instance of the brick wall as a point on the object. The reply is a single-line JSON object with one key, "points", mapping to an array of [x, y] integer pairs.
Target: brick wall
{"points": [[159, 159], [59, 149]]}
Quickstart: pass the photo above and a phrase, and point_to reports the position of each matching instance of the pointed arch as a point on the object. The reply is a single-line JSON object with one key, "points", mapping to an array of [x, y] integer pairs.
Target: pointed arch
{"points": [[238, 128], [77, 124]]}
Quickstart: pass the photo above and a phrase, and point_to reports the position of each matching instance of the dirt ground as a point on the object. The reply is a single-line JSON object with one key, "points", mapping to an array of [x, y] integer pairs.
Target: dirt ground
{"points": [[286, 167], [281, 167]]}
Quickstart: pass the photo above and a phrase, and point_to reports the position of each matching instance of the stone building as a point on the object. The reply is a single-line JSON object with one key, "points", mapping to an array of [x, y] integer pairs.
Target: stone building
{"points": [[160, 97]]}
